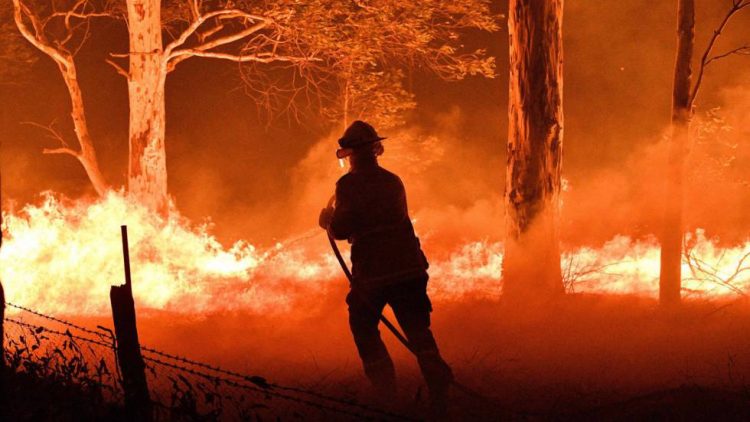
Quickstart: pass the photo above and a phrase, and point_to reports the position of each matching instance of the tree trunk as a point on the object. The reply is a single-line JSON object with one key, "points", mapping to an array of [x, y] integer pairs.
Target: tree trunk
{"points": [[147, 166], [345, 114], [65, 63], [670, 276], [87, 155], [531, 266]]}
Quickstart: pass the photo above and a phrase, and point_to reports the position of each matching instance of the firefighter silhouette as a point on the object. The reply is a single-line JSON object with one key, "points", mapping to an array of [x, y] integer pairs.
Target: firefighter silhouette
{"points": [[388, 265]]}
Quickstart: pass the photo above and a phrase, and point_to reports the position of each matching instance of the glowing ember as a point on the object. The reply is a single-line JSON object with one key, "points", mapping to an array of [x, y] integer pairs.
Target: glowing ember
{"points": [[63, 256]]}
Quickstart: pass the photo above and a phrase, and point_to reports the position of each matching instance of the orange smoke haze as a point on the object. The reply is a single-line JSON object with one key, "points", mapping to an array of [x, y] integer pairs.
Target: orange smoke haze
{"points": [[240, 274]]}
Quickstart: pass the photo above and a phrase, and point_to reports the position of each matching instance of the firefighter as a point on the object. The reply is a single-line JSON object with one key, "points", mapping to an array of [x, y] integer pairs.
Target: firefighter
{"points": [[388, 265]]}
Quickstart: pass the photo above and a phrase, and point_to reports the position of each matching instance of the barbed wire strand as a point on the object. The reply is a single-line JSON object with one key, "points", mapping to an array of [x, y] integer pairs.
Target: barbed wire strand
{"points": [[84, 350], [67, 333], [55, 319], [262, 383], [41, 329], [254, 388]]}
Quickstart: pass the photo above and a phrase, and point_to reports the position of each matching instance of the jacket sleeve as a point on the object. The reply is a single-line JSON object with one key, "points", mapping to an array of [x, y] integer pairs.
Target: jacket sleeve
{"points": [[342, 223]]}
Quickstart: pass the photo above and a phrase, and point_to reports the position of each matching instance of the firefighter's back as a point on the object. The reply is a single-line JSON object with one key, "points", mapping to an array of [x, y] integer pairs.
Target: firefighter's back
{"points": [[384, 246]]}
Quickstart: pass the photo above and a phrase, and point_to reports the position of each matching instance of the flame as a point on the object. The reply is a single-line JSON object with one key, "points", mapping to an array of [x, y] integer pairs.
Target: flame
{"points": [[61, 256]]}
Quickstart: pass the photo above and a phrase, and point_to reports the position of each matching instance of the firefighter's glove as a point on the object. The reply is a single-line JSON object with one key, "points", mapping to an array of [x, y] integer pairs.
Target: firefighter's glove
{"points": [[326, 215]]}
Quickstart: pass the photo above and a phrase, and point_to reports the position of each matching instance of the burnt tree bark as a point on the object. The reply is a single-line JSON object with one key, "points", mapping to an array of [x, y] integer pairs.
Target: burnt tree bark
{"points": [[531, 265], [147, 164], [670, 275]]}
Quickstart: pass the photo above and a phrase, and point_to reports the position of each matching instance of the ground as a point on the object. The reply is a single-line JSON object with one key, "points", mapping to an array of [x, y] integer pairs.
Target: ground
{"points": [[584, 357]]}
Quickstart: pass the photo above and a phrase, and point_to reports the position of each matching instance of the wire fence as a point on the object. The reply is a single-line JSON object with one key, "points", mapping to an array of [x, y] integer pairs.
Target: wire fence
{"points": [[84, 359]]}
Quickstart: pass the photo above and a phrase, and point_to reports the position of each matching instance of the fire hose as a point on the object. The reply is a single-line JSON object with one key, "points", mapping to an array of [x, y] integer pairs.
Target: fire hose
{"points": [[391, 327]]}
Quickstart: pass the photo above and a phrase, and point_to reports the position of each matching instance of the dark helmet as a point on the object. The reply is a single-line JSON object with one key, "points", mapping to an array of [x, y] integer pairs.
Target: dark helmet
{"points": [[358, 134]]}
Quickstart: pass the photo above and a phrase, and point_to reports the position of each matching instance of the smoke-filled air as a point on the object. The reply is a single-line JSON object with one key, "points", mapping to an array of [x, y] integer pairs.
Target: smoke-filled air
{"points": [[216, 210]]}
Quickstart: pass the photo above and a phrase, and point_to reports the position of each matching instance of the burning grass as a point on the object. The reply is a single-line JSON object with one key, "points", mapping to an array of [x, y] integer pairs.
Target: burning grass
{"points": [[60, 257]]}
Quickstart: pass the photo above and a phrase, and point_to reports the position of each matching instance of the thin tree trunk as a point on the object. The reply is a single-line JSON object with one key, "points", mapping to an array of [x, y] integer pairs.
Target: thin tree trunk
{"points": [[347, 90], [531, 266], [345, 116], [670, 277], [65, 63], [87, 155], [147, 166]]}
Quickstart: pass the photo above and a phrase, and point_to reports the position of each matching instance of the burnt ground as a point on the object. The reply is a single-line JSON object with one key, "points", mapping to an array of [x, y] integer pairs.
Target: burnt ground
{"points": [[585, 357]]}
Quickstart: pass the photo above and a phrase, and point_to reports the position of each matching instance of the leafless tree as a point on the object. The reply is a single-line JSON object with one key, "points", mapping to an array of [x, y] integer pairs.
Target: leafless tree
{"points": [[59, 35], [683, 102]]}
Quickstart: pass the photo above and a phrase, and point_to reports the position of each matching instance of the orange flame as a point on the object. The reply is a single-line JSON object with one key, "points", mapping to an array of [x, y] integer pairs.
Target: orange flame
{"points": [[62, 256]]}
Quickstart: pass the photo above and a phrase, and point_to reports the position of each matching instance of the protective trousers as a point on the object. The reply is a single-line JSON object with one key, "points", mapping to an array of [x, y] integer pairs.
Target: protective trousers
{"points": [[412, 308]]}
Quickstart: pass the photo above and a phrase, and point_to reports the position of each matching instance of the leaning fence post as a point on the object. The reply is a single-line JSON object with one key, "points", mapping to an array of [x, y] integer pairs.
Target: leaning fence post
{"points": [[132, 367]]}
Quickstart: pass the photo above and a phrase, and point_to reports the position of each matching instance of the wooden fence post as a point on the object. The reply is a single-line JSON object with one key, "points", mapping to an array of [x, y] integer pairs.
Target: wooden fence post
{"points": [[132, 367]]}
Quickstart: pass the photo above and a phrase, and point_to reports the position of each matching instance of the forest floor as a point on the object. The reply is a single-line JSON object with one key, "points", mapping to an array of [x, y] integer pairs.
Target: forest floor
{"points": [[586, 357]]}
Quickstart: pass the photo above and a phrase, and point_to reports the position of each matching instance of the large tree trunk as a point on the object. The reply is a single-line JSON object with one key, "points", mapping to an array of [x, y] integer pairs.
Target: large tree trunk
{"points": [[147, 166], [531, 267], [670, 276]]}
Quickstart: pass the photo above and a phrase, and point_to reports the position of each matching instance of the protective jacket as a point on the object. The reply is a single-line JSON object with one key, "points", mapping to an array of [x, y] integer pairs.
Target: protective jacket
{"points": [[371, 212]]}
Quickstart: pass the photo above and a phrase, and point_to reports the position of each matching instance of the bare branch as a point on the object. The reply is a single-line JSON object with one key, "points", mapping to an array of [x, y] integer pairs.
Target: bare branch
{"points": [[36, 38], [119, 69], [55, 134], [705, 272], [62, 150], [741, 51], [193, 27], [228, 39], [737, 5], [195, 8], [174, 56], [51, 131], [69, 15], [257, 58], [203, 36]]}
